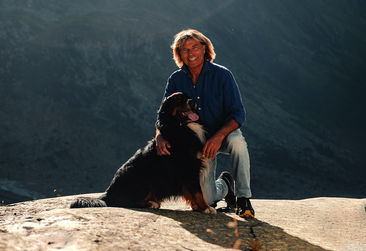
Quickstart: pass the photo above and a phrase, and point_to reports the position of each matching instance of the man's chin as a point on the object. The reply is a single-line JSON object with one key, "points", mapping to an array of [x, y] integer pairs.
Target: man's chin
{"points": [[194, 65]]}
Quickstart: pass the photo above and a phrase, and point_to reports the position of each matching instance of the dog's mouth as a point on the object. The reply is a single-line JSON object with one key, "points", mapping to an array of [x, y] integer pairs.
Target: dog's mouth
{"points": [[191, 115], [186, 115]]}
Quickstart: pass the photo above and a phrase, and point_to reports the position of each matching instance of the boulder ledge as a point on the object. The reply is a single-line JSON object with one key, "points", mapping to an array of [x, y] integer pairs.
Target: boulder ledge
{"points": [[310, 224]]}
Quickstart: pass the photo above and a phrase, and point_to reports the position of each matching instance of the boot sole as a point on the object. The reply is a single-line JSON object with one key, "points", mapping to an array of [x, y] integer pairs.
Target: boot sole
{"points": [[247, 215]]}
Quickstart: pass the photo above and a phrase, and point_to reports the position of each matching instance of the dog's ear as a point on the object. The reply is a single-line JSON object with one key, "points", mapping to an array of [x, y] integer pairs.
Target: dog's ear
{"points": [[168, 105], [167, 108], [164, 112]]}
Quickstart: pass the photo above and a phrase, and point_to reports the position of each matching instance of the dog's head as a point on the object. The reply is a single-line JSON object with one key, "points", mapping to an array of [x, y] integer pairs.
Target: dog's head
{"points": [[178, 109]]}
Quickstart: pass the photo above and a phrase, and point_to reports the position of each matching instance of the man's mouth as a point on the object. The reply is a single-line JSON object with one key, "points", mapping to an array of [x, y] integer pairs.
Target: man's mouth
{"points": [[192, 59]]}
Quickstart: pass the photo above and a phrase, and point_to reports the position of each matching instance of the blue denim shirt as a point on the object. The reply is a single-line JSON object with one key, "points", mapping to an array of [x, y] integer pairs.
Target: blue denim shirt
{"points": [[216, 94]]}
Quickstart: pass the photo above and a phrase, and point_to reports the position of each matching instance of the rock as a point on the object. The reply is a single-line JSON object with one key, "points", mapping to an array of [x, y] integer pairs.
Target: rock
{"points": [[311, 224]]}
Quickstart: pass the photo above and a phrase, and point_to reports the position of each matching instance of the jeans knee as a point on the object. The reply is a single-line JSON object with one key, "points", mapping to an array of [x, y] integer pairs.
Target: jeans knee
{"points": [[237, 144]]}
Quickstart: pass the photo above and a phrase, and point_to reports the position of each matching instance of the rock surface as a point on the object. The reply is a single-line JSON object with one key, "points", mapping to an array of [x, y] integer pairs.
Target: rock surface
{"points": [[311, 224]]}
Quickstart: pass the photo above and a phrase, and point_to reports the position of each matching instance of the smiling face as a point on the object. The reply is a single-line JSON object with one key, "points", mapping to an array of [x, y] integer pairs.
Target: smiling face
{"points": [[192, 54]]}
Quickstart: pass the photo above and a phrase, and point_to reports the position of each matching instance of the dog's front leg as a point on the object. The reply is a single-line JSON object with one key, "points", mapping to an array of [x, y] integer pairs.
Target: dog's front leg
{"points": [[202, 204]]}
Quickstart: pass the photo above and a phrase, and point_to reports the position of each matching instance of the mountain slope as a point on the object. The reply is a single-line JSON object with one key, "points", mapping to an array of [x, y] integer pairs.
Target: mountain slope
{"points": [[80, 84]]}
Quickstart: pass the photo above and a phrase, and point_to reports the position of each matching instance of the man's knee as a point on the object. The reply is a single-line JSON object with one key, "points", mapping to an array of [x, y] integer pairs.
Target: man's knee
{"points": [[236, 142]]}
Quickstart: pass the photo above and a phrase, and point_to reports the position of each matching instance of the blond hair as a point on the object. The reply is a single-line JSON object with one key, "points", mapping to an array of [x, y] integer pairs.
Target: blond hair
{"points": [[183, 36]]}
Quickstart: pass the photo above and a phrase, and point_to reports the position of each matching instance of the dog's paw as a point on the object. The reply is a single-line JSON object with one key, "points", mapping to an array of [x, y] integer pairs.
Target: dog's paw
{"points": [[154, 204], [210, 210]]}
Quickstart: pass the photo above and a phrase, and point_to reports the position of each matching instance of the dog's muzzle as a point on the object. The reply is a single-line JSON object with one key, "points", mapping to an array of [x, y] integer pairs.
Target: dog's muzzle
{"points": [[192, 115]]}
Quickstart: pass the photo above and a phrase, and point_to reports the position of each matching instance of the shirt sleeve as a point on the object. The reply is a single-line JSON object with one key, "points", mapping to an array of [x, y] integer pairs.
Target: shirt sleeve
{"points": [[170, 87], [232, 100], [169, 90]]}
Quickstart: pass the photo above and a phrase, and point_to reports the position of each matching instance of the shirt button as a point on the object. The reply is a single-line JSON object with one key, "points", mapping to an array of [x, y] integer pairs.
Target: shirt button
{"points": [[198, 97], [199, 108]]}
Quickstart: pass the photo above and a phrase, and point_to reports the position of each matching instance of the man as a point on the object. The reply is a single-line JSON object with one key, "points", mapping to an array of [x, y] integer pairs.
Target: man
{"points": [[221, 110]]}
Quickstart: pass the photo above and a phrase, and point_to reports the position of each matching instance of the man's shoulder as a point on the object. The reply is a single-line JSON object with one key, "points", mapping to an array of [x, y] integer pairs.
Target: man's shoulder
{"points": [[220, 69], [217, 66], [177, 73]]}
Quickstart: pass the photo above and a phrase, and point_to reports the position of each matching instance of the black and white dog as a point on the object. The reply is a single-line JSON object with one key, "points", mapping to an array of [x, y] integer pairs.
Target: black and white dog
{"points": [[146, 179]]}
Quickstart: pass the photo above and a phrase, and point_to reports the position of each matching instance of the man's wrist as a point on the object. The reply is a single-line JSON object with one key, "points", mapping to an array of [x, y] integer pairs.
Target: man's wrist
{"points": [[220, 135]]}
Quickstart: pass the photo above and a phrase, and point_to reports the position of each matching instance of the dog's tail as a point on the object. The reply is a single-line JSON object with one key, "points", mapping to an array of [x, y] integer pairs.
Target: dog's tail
{"points": [[88, 202]]}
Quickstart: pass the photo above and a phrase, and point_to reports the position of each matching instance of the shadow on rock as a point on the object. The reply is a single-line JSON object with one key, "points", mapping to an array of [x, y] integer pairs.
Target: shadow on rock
{"points": [[229, 232]]}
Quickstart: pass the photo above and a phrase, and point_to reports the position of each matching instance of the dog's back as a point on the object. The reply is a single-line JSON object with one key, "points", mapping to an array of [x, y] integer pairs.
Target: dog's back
{"points": [[146, 172]]}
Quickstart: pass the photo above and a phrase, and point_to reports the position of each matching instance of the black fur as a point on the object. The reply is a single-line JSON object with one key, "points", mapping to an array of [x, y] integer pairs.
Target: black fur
{"points": [[147, 177]]}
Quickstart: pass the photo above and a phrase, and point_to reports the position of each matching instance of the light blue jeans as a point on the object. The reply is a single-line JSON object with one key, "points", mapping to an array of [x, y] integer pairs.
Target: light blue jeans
{"points": [[235, 146]]}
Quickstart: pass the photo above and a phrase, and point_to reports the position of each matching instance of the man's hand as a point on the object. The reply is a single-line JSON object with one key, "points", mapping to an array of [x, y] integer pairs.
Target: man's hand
{"points": [[212, 145], [162, 145]]}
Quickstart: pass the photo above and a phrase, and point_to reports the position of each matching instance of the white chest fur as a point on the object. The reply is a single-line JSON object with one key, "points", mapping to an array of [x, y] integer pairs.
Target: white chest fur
{"points": [[198, 129]]}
